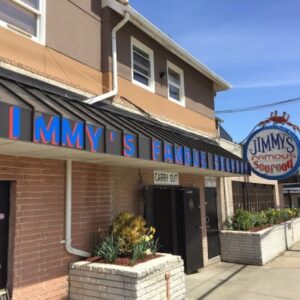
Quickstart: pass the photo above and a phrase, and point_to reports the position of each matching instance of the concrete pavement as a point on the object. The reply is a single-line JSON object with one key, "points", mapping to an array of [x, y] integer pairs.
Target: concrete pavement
{"points": [[279, 279]]}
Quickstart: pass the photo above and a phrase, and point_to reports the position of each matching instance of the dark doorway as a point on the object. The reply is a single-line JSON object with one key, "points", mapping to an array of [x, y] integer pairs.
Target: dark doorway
{"points": [[4, 228], [213, 238], [175, 213]]}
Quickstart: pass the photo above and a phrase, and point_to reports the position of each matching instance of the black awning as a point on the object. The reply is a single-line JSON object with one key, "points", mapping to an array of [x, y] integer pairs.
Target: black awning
{"points": [[40, 113]]}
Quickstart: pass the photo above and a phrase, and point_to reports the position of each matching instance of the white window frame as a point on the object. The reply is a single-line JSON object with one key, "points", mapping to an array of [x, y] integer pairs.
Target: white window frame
{"points": [[144, 48], [176, 69], [41, 22]]}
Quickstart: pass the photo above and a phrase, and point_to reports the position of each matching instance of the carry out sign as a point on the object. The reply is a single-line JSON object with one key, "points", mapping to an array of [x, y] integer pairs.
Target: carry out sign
{"points": [[273, 152]]}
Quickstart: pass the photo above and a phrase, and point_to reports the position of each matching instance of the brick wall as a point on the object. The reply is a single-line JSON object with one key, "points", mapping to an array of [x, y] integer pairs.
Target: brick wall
{"points": [[127, 190], [258, 248], [143, 281], [38, 262]]}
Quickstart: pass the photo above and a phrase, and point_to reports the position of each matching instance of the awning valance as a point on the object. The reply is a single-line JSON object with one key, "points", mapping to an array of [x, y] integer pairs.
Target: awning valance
{"points": [[42, 114]]}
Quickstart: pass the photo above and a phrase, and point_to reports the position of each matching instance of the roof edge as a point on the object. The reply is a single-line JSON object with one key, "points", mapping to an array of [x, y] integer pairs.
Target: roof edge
{"points": [[154, 32]]}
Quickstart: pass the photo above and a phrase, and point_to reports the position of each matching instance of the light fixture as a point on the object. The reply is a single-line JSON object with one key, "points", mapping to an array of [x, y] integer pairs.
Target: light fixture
{"points": [[162, 74]]}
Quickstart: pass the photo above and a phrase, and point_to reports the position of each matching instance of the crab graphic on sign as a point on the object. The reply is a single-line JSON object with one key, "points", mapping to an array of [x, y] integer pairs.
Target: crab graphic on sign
{"points": [[273, 151]]}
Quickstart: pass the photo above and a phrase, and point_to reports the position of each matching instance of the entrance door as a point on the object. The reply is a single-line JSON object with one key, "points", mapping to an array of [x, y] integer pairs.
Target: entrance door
{"points": [[189, 229], [213, 238], [4, 225], [175, 213]]}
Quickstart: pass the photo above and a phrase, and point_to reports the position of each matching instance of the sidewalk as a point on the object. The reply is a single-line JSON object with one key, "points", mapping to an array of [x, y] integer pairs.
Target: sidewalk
{"points": [[279, 279]]}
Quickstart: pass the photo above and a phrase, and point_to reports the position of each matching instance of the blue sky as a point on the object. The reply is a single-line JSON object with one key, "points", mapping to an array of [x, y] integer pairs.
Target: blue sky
{"points": [[252, 44]]}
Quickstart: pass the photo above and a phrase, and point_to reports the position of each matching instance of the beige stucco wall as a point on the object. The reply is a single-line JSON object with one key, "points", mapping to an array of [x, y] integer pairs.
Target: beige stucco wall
{"points": [[25, 54]]}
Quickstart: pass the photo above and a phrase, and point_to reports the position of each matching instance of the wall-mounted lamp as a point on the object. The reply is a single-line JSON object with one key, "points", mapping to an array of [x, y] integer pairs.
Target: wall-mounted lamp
{"points": [[162, 75]]}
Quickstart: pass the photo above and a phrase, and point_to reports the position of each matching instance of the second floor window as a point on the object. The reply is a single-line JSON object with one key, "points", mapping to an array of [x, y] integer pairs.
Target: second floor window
{"points": [[175, 83], [142, 65], [23, 16]]}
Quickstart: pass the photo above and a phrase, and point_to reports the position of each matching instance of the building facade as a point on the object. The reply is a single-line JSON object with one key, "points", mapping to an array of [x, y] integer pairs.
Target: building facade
{"points": [[99, 109]]}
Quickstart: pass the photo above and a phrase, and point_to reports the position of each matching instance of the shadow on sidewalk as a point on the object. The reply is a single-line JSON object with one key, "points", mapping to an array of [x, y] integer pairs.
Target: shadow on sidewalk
{"points": [[221, 283]]}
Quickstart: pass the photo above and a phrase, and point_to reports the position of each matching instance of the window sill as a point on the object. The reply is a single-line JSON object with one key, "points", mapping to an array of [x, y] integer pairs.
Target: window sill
{"points": [[181, 102], [22, 33], [146, 87]]}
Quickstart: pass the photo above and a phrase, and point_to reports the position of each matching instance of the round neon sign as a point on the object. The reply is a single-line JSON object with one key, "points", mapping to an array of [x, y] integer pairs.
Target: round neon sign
{"points": [[273, 152]]}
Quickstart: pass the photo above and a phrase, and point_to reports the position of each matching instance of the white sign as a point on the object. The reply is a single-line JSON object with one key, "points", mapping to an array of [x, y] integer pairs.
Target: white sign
{"points": [[166, 178], [2, 216], [210, 182], [273, 152]]}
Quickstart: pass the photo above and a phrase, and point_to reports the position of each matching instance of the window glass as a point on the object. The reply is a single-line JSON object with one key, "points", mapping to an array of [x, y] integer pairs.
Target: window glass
{"points": [[174, 77], [175, 85], [141, 65], [18, 16], [33, 3], [174, 92]]}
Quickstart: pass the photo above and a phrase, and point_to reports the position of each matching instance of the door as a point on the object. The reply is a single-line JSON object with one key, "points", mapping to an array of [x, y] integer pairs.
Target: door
{"points": [[175, 214], [4, 226], [189, 229], [213, 238], [163, 219]]}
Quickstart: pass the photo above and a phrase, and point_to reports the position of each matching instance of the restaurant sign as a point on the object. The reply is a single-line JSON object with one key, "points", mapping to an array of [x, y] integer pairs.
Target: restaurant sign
{"points": [[273, 152], [100, 136]]}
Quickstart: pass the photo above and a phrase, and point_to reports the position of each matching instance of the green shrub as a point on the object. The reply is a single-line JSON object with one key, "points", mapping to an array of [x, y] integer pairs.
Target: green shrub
{"points": [[129, 231], [244, 220], [107, 248], [139, 251], [129, 237], [259, 219]]}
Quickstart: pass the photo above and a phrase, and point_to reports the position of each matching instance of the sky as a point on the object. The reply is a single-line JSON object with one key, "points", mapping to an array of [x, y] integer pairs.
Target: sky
{"points": [[252, 44]]}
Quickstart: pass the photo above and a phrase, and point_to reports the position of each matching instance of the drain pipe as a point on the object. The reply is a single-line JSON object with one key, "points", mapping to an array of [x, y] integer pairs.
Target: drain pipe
{"points": [[68, 241], [226, 197], [114, 91]]}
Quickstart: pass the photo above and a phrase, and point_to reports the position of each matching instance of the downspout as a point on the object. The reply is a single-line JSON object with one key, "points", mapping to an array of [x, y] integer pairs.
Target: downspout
{"points": [[114, 91], [226, 197], [68, 240]]}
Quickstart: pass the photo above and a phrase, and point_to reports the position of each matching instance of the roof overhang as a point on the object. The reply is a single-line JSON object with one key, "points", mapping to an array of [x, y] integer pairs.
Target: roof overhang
{"points": [[32, 150], [39, 121], [151, 30]]}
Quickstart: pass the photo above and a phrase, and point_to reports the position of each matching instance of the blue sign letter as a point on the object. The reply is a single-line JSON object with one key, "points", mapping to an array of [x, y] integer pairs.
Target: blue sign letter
{"points": [[72, 137], [46, 134]]}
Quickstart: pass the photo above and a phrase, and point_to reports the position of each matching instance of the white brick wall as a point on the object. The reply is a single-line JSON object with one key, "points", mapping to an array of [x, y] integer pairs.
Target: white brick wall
{"points": [[258, 248], [90, 281]]}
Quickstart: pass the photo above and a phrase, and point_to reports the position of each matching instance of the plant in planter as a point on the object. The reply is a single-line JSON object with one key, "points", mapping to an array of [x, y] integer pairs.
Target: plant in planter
{"points": [[128, 240], [246, 220]]}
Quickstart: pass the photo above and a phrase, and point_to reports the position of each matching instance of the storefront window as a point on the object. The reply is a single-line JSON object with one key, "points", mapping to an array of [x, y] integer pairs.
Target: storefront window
{"points": [[251, 196]]}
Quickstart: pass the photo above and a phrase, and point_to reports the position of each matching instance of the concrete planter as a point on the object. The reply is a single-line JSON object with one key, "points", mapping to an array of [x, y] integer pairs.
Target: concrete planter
{"points": [[258, 248], [159, 278]]}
